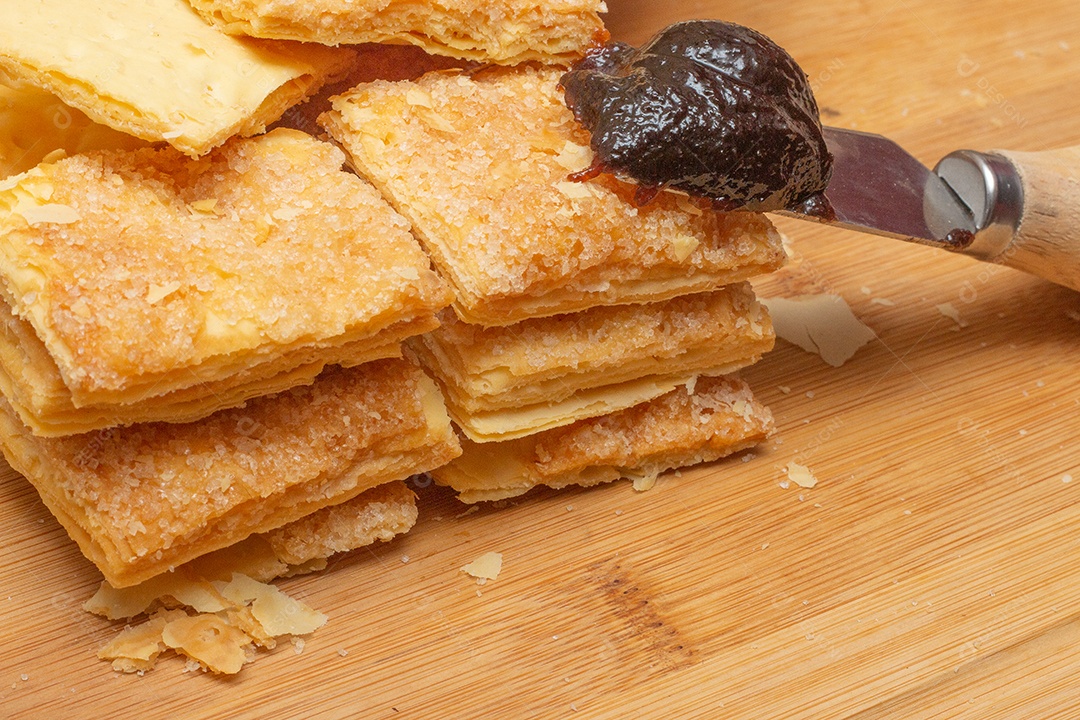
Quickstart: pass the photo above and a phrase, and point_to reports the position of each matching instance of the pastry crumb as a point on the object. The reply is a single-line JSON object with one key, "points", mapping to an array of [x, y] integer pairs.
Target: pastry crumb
{"points": [[484, 568], [801, 475], [644, 483], [949, 310]]}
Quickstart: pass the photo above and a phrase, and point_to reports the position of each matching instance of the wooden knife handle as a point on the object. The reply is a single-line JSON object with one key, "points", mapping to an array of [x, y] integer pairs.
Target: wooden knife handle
{"points": [[1047, 240]]}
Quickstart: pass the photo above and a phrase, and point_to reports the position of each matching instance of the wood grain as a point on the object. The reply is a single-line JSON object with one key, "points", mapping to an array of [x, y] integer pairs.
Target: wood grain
{"points": [[1047, 242], [931, 573]]}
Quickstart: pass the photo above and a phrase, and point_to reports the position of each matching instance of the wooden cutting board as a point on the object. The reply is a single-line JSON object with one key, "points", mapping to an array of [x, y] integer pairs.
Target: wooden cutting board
{"points": [[933, 572]]}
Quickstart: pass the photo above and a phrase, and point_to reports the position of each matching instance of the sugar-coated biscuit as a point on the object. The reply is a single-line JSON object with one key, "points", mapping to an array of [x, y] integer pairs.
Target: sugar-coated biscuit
{"points": [[163, 288], [719, 416], [156, 70], [375, 515], [508, 381], [496, 31], [302, 546], [142, 499], [233, 607], [479, 164]]}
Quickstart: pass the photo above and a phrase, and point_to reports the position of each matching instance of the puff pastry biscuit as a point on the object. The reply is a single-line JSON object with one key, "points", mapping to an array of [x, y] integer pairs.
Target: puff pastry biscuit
{"points": [[233, 607], [156, 70], [497, 31], [479, 164], [163, 288], [375, 515], [719, 416], [142, 499], [506, 382], [378, 514]]}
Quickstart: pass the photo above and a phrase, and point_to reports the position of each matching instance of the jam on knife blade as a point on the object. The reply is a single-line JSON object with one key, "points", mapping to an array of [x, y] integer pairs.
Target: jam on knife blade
{"points": [[711, 108]]}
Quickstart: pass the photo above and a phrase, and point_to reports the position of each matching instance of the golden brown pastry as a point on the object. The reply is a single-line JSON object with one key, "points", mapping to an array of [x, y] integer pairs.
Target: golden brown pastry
{"points": [[497, 31], [378, 514], [479, 164], [719, 416], [226, 592], [156, 70], [148, 286], [505, 382], [143, 499], [304, 545]]}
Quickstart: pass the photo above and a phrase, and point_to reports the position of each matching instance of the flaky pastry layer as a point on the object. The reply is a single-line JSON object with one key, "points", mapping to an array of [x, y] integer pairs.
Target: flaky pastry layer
{"points": [[142, 499], [213, 609], [376, 515], [31, 382], [35, 123], [479, 164], [509, 381], [719, 416], [154, 69], [302, 546], [146, 273], [498, 31]]}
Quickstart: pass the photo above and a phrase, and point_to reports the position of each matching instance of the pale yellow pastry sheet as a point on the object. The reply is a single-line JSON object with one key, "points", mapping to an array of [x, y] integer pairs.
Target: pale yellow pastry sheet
{"points": [[156, 70], [35, 124]]}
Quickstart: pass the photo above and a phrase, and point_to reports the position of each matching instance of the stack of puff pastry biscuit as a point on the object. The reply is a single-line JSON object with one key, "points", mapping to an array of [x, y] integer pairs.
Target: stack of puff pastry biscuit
{"points": [[202, 321], [218, 340], [589, 339]]}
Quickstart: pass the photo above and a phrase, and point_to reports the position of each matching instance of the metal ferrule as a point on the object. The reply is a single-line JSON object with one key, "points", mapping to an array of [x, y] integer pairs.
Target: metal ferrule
{"points": [[990, 187]]}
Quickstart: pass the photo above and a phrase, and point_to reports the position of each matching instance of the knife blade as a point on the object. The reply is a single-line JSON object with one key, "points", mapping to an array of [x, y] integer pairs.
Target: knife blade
{"points": [[1016, 209]]}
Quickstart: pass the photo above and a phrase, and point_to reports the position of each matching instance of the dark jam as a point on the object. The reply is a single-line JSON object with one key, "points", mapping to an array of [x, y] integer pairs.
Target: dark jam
{"points": [[714, 109], [959, 239]]}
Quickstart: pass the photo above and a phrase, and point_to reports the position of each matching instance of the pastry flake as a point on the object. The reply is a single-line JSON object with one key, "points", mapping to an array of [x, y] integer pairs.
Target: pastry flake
{"points": [[198, 282], [154, 69], [378, 514], [479, 164], [500, 31]]}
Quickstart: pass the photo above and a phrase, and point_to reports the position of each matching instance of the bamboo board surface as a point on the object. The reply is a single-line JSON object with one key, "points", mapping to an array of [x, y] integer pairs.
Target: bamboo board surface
{"points": [[933, 572]]}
